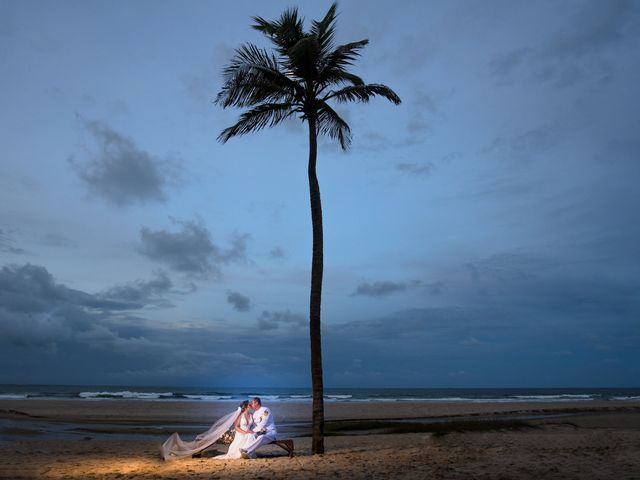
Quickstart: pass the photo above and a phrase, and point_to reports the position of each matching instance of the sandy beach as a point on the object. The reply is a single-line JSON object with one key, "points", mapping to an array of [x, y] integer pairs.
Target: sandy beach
{"points": [[568, 440]]}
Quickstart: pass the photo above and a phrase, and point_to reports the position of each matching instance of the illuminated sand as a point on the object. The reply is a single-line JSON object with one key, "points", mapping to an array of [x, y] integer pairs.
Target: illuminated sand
{"points": [[602, 444]]}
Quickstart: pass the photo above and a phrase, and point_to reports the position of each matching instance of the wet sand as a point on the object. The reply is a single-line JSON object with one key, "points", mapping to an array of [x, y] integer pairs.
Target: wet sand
{"points": [[592, 440]]}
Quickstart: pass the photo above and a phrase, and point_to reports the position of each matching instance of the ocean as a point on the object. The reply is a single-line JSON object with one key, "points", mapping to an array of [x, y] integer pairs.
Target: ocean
{"points": [[219, 394]]}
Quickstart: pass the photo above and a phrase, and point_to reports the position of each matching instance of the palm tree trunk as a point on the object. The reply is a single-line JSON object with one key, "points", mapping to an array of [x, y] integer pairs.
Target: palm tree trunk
{"points": [[317, 442]]}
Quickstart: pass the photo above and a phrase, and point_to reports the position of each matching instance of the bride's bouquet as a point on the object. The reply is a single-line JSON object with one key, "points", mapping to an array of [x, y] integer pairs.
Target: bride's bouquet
{"points": [[227, 437]]}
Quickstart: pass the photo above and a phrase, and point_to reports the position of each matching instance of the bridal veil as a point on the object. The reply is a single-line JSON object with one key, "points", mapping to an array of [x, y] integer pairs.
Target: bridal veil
{"points": [[175, 448]]}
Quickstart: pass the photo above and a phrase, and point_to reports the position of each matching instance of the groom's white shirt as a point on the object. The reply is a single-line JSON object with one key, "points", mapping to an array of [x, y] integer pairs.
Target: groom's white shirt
{"points": [[263, 420]]}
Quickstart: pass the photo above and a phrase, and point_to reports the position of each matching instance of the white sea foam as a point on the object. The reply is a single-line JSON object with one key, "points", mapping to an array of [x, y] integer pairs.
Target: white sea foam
{"points": [[338, 397], [627, 398], [12, 396], [270, 398], [209, 398], [125, 394], [564, 396]]}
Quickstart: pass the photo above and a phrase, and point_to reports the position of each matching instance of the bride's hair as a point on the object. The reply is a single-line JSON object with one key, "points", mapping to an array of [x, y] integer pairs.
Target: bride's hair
{"points": [[244, 405]]}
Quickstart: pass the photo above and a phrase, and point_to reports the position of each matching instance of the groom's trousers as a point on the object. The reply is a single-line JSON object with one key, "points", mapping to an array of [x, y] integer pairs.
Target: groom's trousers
{"points": [[251, 446]]}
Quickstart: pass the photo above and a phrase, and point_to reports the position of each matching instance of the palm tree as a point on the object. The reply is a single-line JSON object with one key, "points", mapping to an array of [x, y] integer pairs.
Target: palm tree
{"points": [[305, 72]]}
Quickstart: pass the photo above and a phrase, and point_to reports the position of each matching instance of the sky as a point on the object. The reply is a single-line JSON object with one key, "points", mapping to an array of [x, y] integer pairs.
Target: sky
{"points": [[484, 233]]}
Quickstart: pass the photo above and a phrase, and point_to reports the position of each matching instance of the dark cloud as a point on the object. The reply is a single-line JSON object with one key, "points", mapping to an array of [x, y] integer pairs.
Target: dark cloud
{"points": [[141, 292], [272, 320], [79, 337], [240, 302], [191, 250], [520, 310], [7, 244], [31, 289], [36, 310], [237, 252], [119, 171], [382, 288]]}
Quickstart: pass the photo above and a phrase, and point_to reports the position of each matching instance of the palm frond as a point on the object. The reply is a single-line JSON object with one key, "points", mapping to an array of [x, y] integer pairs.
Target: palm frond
{"points": [[337, 77], [363, 93], [342, 57], [332, 125], [254, 77], [324, 30], [284, 32], [265, 115]]}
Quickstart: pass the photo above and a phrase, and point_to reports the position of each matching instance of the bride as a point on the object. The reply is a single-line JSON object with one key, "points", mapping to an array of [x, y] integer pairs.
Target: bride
{"points": [[175, 448], [243, 433]]}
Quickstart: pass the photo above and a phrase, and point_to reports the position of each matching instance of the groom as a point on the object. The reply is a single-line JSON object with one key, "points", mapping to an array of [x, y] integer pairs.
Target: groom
{"points": [[263, 426]]}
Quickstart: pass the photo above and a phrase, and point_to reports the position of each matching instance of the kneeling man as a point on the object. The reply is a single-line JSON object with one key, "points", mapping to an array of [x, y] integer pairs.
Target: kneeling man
{"points": [[263, 426]]}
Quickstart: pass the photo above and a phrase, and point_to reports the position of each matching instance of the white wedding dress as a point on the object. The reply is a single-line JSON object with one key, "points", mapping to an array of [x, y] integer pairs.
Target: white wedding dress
{"points": [[239, 440], [175, 448]]}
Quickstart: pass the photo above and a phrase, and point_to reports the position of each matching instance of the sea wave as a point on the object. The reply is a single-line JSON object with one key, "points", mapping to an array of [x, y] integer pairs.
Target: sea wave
{"points": [[13, 396], [126, 394], [564, 396], [264, 397], [338, 397], [209, 398], [632, 398]]}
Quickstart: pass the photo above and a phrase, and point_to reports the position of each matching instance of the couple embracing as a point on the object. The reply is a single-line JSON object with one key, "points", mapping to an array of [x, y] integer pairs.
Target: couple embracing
{"points": [[253, 426]]}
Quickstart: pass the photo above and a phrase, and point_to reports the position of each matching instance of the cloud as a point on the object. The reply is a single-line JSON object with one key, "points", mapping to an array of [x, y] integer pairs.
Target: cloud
{"points": [[577, 52], [31, 289], [424, 109], [514, 313], [382, 288], [596, 26], [78, 333], [36, 310], [523, 145], [120, 172], [201, 87], [418, 169], [140, 292], [240, 302], [277, 253], [272, 320], [191, 250], [7, 244]]}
